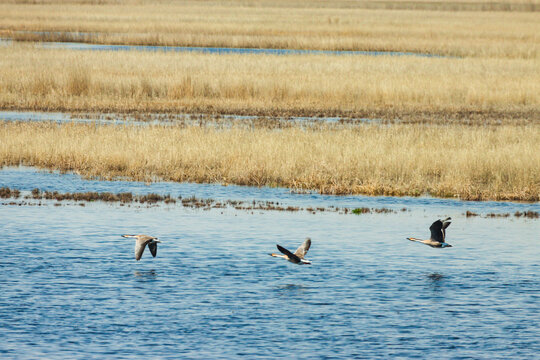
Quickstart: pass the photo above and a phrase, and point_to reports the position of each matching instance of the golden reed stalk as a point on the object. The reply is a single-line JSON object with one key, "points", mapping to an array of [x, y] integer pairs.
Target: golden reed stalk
{"points": [[473, 163]]}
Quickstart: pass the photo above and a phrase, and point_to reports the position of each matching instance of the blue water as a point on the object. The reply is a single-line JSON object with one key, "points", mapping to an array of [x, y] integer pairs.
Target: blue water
{"points": [[70, 287], [101, 119], [206, 50], [173, 119], [222, 50]]}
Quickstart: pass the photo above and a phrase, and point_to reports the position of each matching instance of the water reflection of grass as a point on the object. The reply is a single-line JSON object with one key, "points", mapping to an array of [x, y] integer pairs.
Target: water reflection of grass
{"points": [[406, 88], [193, 202], [387, 25], [476, 163]]}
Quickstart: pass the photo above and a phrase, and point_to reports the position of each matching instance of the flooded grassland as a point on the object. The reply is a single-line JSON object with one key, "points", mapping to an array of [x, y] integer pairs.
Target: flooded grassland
{"points": [[71, 288], [453, 28], [389, 87], [223, 154]]}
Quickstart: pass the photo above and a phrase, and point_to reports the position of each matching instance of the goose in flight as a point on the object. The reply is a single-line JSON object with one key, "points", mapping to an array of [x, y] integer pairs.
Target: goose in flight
{"points": [[438, 234], [141, 242], [298, 256]]}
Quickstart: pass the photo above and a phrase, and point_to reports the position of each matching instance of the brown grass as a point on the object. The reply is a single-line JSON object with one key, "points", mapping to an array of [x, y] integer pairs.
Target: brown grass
{"points": [[384, 87], [474, 163], [458, 28]]}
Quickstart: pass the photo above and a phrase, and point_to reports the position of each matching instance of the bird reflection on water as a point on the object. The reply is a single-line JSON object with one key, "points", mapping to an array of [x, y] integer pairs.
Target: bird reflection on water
{"points": [[436, 281], [145, 274], [435, 277], [292, 287], [290, 291]]}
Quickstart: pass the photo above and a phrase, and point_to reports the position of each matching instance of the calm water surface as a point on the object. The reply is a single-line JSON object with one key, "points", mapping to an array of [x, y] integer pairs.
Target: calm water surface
{"points": [[200, 49], [175, 119], [70, 287]]}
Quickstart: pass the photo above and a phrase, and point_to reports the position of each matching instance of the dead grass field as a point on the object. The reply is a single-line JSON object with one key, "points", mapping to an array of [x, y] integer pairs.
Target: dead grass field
{"points": [[316, 85], [474, 163], [481, 28]]}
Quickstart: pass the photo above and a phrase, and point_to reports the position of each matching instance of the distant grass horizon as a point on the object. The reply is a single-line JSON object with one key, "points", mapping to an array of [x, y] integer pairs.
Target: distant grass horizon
{"points": [[478, 28]]}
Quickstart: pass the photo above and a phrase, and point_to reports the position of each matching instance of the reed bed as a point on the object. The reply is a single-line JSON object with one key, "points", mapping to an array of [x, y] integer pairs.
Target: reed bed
{"points": [[295, 85], [480, 28], [473, 163]]}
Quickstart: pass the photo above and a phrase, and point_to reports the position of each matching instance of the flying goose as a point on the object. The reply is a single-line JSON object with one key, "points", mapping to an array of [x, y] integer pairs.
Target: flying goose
{"points": [[438, 234], [141, 242], [298, 256]]}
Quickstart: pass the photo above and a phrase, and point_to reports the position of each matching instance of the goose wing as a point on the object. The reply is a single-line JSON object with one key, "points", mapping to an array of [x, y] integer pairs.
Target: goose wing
{"points": [[139, 237], [295, 259], [446, 224], [437, 229], [139, 248], [303, 249], [153, 248]]}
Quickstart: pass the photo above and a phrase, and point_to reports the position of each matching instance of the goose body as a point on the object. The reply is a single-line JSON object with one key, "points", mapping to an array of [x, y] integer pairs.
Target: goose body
{"points": [[298, 256], [438, 234], [140, 243]]}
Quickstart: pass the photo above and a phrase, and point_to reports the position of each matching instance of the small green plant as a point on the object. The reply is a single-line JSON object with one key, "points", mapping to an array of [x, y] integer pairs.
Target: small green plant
{"points": [[362, 210]]}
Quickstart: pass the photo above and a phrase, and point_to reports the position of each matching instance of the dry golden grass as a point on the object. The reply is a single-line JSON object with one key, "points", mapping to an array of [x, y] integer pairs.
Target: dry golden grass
{"points": [[388, 87], [460, 28], [476, 163]]}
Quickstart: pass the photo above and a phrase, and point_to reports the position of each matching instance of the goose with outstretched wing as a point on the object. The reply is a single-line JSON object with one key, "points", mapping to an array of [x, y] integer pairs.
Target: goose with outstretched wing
{"points": [[299, 254], [140, 243], [438, 234]]}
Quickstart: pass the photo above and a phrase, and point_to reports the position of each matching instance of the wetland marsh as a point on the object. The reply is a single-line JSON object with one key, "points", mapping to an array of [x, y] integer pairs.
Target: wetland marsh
{"points": [[286, 122], [484, 64], [72, 288], [453, 28], [389, 87]]}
